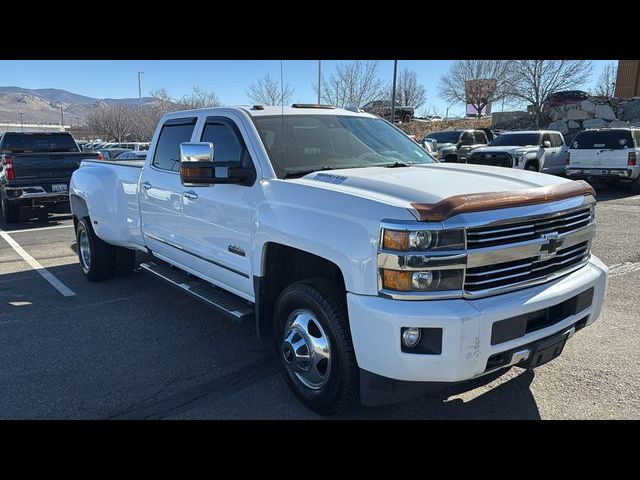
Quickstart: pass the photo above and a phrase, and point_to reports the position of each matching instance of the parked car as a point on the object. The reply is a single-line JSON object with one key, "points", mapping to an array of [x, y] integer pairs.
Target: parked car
{"points": [[35, 169], [133, 155], [564, 98], [535, 150], [382, 108], [607, 153], [377, 270], [112, 153], [453, 146], [436, 118]]}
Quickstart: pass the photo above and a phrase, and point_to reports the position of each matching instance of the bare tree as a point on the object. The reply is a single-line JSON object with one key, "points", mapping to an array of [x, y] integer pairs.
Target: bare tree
{"points": [[199, 99], [268, 91], [536, 79], [477, 82], [354, 83], [408, 91], [606, 85], [114, 122]]}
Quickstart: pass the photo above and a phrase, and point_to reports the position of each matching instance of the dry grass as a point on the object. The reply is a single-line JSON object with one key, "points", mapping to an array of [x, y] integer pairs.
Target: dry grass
{"points": [[420, 129]]}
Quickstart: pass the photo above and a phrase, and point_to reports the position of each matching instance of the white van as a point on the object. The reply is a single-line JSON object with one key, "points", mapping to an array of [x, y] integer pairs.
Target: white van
{"points": [[610, 153]]}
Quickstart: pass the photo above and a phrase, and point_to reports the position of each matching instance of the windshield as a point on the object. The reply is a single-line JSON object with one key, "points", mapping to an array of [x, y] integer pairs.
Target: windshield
{"points": [[445, 137], [38, 142], [516, 140], [603, 139], [326, 142]]}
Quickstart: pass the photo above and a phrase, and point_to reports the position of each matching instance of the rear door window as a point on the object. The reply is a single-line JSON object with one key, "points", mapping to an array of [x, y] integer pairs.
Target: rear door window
{"points": [[556, 140], [480, 137], [173, 133], [603, 140]]}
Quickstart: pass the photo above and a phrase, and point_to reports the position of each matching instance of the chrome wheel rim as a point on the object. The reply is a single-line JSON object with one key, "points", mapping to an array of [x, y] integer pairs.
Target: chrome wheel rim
{"points": [[85, 250], [306, 350]]}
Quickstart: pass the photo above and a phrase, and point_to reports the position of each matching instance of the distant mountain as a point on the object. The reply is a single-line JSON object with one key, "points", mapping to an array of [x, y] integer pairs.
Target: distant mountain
{"points": [[42, 105]]}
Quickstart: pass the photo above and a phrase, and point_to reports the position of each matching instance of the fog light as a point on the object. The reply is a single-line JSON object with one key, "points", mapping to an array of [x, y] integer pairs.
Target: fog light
{"points": [[411, 337]]}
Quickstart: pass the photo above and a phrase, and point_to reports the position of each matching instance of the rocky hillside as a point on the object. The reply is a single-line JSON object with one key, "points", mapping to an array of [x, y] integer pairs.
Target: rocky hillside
{"points": [[42, 105], [420, 129], [596, 112]]}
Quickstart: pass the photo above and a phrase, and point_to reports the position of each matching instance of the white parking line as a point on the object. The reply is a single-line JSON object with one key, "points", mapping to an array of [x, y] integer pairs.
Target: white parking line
{"points": [[57, 284], [40, 228]]}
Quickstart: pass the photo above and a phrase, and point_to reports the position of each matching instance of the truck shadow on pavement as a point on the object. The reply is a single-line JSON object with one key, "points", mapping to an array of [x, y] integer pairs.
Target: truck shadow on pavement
{"points": [[510, 400], [27, 221]]}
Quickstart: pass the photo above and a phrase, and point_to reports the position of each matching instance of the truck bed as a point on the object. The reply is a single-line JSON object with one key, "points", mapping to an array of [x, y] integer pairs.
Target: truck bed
{"points": [[110, 190]]}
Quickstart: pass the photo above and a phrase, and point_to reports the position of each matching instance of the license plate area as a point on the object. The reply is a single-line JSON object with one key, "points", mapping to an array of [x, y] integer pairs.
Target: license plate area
{"points": [[544, 355], [59, 187]]}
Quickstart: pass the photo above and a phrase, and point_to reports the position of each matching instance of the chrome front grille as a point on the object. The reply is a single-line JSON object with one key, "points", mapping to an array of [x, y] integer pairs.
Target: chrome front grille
{"points": [[507, 233], [525, 271]]}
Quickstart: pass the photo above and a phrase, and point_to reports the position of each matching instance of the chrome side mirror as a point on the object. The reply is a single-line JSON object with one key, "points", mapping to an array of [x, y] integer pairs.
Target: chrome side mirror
{"points": [[546, 144], [196, 164]]}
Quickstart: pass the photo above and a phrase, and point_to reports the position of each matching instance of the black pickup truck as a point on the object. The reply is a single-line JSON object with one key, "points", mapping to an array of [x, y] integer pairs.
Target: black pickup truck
{"points": [[382, 108], [35, 169]]}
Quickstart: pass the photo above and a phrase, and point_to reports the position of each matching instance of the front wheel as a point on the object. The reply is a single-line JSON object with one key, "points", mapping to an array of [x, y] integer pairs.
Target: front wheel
{"points": [[314, 345], [531, 166]]}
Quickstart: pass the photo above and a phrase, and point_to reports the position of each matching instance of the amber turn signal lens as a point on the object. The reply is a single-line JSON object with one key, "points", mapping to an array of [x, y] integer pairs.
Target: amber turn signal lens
{"points": [[396, 280], [395, 240]]}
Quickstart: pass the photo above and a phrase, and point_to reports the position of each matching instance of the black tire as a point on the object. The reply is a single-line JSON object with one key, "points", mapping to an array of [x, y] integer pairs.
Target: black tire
{"points": [[328, 305], [124, 261], [532, 167], [10, 211], [406, 118], [635, 185], [99, 265]]}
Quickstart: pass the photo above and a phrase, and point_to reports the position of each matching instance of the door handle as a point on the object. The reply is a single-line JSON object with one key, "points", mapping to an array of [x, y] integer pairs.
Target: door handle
{"points": [[146, 185], [191, 195]]}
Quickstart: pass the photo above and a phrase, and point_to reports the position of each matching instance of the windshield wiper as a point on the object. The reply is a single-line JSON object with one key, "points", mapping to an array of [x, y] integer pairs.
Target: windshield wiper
{"points": [[396, 165]]}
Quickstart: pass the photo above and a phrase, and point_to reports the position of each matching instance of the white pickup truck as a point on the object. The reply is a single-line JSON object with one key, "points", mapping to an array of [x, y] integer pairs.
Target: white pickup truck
{"points": [[378, 270]]}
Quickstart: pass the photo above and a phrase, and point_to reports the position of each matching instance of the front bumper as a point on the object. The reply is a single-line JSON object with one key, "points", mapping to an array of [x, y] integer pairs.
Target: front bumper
{"points": [[466, 325]]}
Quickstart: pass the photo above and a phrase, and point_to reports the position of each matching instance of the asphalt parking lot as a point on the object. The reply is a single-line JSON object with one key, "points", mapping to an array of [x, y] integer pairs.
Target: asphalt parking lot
{"points": [[133, 347]]}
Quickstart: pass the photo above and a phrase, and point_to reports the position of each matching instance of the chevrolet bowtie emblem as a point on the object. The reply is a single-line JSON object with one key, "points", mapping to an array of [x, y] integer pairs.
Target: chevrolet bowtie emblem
{"points": [[551, 246]]}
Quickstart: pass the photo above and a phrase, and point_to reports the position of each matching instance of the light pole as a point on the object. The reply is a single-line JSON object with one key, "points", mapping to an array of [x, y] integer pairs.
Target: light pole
{"points": [[319, 78], [393, 93], [21, 122], [446, 115], [61, 116], [139, 87]]}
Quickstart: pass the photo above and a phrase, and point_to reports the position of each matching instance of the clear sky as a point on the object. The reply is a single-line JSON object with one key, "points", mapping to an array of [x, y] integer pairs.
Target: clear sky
{"points": [[229, 79]]}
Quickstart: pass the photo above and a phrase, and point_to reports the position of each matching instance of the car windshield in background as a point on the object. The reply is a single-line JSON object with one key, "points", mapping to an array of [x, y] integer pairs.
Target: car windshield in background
{"points": [[603, 139], [39, 142], [516, 140], [445, 137], [325, 142]]}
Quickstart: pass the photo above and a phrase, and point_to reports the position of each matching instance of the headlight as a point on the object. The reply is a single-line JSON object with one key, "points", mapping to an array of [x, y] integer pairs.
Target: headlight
{"points": [[422, 240], [420, 264], [422, 281]]}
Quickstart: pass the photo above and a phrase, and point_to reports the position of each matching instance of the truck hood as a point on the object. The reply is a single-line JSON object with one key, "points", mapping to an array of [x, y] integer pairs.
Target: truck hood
{"points": [[425, 183], [508, 149]]}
